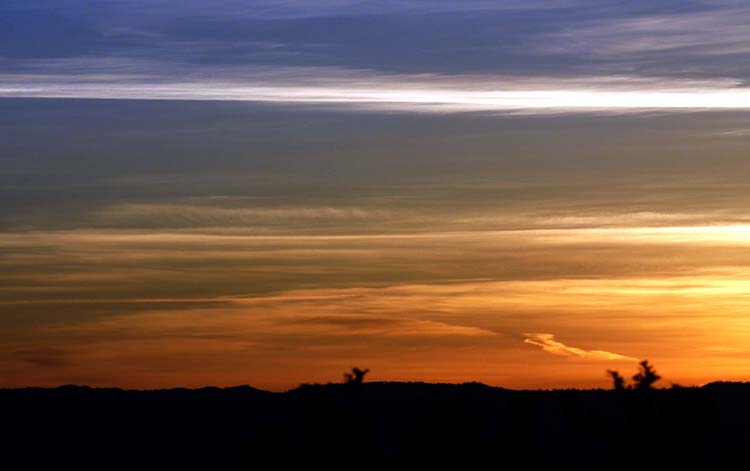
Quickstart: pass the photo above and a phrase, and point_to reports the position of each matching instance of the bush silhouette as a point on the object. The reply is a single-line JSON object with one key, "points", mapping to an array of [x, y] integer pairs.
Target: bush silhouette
{"points": [[357, 376], [642, 381], [617, 380], [646, 377]]}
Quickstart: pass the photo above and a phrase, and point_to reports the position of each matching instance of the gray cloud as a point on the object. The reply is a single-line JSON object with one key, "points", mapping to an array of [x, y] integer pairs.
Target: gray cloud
{"points": [[667, 36], [274, 9], [533, 38]]}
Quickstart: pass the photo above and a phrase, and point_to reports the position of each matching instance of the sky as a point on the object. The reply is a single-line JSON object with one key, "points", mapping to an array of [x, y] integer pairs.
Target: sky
{"points": [[522, 193]]}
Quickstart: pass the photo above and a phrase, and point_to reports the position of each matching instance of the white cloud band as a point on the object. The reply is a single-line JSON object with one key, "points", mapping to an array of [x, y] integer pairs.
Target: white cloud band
{"points": [[366, 90]]}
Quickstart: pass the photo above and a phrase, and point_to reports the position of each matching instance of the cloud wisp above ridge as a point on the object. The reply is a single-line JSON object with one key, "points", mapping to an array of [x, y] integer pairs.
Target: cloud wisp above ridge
{"points": [[548, 344]]}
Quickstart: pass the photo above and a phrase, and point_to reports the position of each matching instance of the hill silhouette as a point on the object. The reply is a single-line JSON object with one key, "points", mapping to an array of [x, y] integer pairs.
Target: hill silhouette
{"points": [[376, 423]]}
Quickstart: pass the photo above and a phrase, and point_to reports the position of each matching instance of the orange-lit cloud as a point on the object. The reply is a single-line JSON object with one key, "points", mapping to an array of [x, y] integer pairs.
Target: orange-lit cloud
{"points": [[548, 344]]}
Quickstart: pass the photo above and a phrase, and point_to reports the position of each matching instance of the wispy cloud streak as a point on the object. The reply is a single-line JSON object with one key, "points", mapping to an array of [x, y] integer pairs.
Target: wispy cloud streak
{"points": [[548, 344], [718, 31]]}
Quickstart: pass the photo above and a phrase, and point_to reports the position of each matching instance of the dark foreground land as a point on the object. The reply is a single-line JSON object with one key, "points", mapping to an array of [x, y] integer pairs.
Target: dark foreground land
{"points": [[356, 426]]}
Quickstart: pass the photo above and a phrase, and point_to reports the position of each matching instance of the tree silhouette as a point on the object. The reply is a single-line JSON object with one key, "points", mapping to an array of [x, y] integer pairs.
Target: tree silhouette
{"points": [[646, 376], [617, 380], [357, 376]]}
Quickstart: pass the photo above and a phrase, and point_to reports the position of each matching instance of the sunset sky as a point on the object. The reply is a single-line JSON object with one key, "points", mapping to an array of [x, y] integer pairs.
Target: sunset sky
{"points": [[524, 193]]}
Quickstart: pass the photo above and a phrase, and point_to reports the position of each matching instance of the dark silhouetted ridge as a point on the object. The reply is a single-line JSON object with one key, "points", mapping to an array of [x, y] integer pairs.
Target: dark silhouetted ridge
{"points": [[380, 423], [727, 386]]}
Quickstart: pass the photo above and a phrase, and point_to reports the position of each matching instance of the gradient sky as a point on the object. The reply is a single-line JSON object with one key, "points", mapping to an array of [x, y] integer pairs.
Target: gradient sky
{"points": [[523, 193]]}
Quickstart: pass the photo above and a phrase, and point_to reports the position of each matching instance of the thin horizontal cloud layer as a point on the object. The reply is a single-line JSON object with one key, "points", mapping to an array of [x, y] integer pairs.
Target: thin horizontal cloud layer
{"points": [[548, 344], [186, 215], [366, 90]]}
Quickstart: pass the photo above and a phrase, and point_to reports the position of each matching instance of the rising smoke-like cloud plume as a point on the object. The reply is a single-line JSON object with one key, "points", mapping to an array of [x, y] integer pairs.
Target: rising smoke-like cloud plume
{"points": [[548, 344]]}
